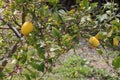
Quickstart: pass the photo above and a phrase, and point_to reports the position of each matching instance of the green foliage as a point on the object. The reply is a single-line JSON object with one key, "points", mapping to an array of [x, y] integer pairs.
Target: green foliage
{"points": [[86, 3], [55, 32], [100, 51], [38, 66], [115, 23], [116, 62], [77, 68], [27, 77]]}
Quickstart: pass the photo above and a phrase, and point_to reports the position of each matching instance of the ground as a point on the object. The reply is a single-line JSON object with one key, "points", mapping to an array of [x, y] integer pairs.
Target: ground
{"points": [[99, 69]]}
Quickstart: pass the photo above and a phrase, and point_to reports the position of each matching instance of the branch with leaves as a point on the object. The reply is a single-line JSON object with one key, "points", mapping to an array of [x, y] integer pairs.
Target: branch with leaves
{"points": [[8, 55], [14, 48], [12, 28]]}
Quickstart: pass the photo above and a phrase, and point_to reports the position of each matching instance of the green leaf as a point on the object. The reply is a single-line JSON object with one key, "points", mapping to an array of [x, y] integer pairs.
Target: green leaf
{"points": [[110, 33], [101, 35], [100, 51], [34, 60], [86, 3], [55, 48], [50, 60], [116, 62], [118, 37], [93, 5], [39, 67], [23, 57], [41, 56], [50, 69], [27, 77], [2, 75], [1, 4], [58, 18], [20, 1], [3, 23], [68, 18], [67, 40], [53, 2], [55, 32], [41, 52], [115, 28], [115, 23], [33, 75]]}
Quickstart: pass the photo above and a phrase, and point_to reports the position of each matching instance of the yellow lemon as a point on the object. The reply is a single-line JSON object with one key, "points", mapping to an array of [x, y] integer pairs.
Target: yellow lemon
{"points": [[94, 41], [26, 28], [115, 41]]}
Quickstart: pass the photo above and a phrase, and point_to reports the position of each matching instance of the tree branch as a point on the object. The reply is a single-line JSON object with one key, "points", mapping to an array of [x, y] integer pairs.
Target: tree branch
{"points": [[4, 28], [12, 28], [23, 13], [8, 55]]}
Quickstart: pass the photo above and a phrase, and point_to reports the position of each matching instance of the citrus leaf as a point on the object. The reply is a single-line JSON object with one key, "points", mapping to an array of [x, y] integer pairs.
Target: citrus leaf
{"points": [[20, 1], [1, 3], [27, 77], [115, 28], [110, 33], [101, 35], [41, 52], [115, 23], [86, 3], [56, 32], [53, 2], [58, 18], [50, 60], [2, 75], [116, 62], [33, 75], [100, 51], [23, 57], [39, 67]]}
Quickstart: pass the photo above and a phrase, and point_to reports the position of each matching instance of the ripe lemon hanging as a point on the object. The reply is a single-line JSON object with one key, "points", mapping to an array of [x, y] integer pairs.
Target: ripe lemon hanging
{"points": [[94, 41], [26, 28], [115, 41]]}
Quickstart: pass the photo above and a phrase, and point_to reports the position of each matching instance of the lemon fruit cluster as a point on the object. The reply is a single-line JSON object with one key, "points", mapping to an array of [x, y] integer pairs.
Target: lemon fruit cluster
{"points": [[94, 41], [26, 28]]}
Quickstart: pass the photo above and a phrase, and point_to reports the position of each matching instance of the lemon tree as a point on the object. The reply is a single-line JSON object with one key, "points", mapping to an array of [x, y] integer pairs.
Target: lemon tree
{"points": [[34, 34]]}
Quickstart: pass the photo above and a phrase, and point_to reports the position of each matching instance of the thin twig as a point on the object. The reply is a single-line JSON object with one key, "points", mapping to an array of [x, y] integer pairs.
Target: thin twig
{"points": [[23, 13], [4, 28], [14, 19]]}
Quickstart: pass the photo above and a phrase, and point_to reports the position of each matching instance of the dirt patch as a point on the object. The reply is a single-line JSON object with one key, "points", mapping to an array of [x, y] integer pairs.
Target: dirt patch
{"points": [[90, 55]]}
